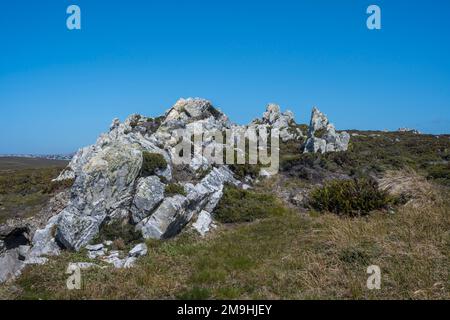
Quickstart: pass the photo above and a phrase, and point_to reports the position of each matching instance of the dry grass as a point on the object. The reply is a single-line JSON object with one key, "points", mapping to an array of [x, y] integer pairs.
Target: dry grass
{"points": [[409, 183], [293, 256]]}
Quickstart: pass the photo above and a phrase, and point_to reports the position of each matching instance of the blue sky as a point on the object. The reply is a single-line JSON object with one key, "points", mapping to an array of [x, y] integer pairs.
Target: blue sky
{"points": [[59, 89]]}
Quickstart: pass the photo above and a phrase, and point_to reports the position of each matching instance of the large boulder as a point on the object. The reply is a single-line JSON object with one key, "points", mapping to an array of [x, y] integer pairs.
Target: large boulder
{"points": [[103, 188], [191, 109], [322, 135], [170, 217], [175, 212]]}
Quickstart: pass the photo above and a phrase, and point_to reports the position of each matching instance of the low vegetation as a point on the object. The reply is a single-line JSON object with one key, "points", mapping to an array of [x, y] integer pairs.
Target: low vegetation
{"points": [[355, 197], [152, 162], [173, 189], [280, 257], [239, 205], [373, 153], [123, 234], [23, 192], [263, 250]]}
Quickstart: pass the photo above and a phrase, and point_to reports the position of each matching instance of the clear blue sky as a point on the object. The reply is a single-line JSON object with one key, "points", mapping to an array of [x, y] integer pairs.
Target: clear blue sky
{"points": [[59, 89]]}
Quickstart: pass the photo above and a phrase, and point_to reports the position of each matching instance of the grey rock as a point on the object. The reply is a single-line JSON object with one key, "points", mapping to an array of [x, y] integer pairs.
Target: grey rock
{"points": [[149, 194], [329, 140], [96, 253], [196, 108], [44, 242], [275, 119], [168, 219], [10, 265], [75, 230], [95, 247], [138, 250], [104, 187], [203, 223], [129, 262], [23, 251], [175, 212], [36, 260]]}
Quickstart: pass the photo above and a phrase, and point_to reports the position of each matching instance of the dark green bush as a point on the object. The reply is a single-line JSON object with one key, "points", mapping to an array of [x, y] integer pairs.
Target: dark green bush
{"points": [[173, 189], [320, 133], [152, 162], [350, 197], [441, 173], [116, 230], [239, 205]]}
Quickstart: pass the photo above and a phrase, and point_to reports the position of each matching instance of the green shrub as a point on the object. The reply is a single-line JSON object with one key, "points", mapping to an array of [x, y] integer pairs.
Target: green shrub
{"points": [[243, 170], [173, 189], [152, 162], [58, 186], [441, 173], [350, 197], [116, 230], [320, 133], [239, 205]]}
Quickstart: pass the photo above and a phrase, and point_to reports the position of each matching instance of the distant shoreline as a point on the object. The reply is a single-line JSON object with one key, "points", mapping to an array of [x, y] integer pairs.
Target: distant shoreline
{"points": [[19, 163], [64, 157]]}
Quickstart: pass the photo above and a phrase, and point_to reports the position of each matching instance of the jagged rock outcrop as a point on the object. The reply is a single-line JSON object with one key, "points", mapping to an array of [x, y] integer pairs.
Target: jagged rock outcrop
{"points": [[283, 121], [175, 212], [322, 135], [107, 185], [110, 185]]}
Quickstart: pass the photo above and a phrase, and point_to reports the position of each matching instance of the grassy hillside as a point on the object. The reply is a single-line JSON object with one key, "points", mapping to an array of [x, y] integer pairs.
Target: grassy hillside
{"points": [[291, 256], [25, 185], [271, 244]]}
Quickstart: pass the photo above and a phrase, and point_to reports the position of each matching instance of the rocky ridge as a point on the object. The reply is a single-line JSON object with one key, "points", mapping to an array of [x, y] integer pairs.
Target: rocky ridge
{"points": [[109, 184]]}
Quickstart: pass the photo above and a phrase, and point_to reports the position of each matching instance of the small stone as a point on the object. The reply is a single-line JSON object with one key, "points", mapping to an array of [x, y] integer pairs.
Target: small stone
{"points": [[95, 247], [129, 262], [81, 265], [139, 250]]}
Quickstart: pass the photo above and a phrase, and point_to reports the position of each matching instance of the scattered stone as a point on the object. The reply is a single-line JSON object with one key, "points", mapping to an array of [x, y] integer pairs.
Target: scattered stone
{"points": [[129, 262], [95, 247], [81, 265], [138, 251]]}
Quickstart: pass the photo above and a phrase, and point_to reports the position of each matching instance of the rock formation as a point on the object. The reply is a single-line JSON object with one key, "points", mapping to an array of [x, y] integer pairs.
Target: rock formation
{"points": [[322, 136], [284, 122], [110, 185]]}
